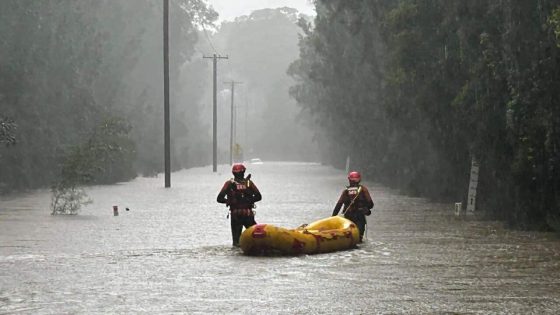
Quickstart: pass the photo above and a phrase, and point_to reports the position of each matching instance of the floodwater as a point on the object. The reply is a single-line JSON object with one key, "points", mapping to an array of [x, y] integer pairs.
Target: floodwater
{"points": [[171, 253]]}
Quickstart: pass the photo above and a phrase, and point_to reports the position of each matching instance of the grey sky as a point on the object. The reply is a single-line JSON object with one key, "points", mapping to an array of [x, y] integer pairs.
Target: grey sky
{"points": [[229, 9]]}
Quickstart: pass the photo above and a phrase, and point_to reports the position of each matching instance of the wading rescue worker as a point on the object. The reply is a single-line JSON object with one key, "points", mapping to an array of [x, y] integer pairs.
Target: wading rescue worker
{"points": [[240, 195], [357, 202]]}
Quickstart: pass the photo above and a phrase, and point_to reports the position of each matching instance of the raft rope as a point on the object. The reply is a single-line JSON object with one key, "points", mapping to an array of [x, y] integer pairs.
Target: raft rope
{"points": [[353, 200]]}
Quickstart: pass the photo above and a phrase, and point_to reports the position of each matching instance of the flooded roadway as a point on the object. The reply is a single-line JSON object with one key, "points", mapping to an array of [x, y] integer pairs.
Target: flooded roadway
{"points": [[171, 253]]}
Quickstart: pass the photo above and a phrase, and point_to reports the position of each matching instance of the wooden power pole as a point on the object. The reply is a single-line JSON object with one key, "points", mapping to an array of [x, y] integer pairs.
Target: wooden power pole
{"points": [[215, 112], [166, 94], [232, 123]]}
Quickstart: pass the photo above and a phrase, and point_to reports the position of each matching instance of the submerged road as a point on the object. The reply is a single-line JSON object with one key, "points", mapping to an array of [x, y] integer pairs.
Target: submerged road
{"points": [[171, 253]]}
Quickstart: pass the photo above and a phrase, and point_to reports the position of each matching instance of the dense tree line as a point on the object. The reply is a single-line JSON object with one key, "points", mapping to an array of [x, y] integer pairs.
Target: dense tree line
{"points": [[412, 90], [68, 68]]}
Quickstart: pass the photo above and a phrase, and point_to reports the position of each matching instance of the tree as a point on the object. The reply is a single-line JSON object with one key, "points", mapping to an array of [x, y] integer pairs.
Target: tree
{"points": [[444, 81], [68, 65], [103, 158]]}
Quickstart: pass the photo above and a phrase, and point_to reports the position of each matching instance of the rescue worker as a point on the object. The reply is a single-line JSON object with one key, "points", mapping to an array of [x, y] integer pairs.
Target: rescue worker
{"points": [[240, 195], [357, 202]]}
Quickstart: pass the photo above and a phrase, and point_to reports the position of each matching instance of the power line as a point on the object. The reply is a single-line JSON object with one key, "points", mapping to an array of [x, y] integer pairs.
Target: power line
{"points": [[208, 38]]}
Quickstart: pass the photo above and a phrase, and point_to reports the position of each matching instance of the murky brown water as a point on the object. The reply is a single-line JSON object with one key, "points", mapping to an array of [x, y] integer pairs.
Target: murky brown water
{"points": [[171, 253]]}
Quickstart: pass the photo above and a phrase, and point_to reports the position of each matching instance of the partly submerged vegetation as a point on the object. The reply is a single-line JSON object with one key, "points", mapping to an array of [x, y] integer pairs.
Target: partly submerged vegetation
{"points": [[104, 158], [413, 90]]}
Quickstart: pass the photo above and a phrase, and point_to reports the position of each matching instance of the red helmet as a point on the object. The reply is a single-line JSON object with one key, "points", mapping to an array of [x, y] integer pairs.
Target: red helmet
{"points": [[238, 168], [354, 177]]}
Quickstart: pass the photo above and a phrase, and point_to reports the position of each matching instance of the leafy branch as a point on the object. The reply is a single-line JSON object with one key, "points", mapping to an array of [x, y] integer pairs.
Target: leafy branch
{"points": [[85, 164]]}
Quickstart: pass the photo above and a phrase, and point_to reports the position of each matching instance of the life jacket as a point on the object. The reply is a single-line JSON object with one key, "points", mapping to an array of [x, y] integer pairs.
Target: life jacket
{"points": [[356, 199], [353, 191], [239, 192]]}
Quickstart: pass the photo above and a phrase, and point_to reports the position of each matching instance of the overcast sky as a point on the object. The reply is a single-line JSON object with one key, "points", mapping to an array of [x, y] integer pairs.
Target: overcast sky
{"points": [[230, 9]]}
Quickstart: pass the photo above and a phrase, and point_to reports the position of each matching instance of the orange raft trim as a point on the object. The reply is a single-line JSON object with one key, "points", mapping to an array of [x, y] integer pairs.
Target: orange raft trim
{"points": [[322, 236]]}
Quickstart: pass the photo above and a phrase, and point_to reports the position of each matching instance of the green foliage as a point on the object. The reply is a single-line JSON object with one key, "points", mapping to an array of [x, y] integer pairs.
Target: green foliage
{"points": [[554, 21], [104, 158], [68, 200], [411, 90], [66, 65]]}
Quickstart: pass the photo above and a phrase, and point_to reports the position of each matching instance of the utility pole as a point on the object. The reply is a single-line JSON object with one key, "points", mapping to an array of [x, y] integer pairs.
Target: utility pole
{"points": [[231, 135], [215, 112], [166, 128], [246, 142]]}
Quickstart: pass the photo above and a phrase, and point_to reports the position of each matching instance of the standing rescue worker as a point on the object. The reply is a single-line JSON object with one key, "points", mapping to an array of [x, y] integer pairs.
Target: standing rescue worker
{"points": [[357, 202], [240, 195]]}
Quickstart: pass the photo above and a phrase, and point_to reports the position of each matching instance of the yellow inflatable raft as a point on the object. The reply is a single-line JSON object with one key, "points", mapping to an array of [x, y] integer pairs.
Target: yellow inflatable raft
{"points": [[326, 235]]}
